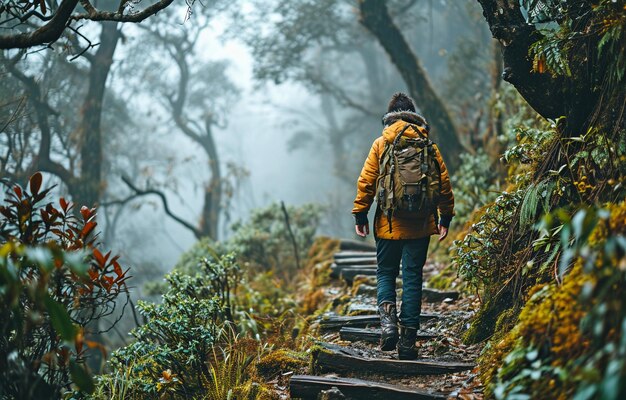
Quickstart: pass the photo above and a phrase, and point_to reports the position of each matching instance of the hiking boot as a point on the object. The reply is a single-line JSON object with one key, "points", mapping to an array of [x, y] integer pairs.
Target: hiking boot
{"points": [[388, 326], [406, 346]]}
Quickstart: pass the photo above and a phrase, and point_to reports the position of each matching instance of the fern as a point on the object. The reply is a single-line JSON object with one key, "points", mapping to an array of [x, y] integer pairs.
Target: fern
{"points": [[536, 194], [550, 54]]}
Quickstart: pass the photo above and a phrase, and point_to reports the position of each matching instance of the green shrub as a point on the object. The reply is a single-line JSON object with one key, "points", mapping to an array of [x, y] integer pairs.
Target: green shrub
{"points": [[206, 248], [264, 241], [175, 342], [477, 184]]}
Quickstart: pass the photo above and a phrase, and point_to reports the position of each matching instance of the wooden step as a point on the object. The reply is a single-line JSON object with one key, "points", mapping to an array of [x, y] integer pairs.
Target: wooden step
{"points": [[373, 335], [350, 273], [368, 287], [360, 321], [365, 290], [436, 296], [428, 295], [356, 261], [360, 308], [337, 271], [354, 245], [334, 358], [308, 387], [354, 254]]}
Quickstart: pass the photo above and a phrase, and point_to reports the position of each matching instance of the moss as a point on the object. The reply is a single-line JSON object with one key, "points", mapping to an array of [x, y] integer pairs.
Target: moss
{"points": [[341, 301], [280, 361], [484, 324], [444, 279], [315, 351], [354, 313], [266, 393], [316, 274], [255, 391], [549, 323], [322, 249], [312, 301], [364, 279], [506, 320]]}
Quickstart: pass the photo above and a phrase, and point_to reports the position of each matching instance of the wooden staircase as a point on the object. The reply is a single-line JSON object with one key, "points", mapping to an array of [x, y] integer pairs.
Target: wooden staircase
{"points": [[347, 364]]}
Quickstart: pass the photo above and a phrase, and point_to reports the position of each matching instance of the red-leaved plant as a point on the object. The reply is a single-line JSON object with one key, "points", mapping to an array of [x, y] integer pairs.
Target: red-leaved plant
{"points": [[55, 287]]}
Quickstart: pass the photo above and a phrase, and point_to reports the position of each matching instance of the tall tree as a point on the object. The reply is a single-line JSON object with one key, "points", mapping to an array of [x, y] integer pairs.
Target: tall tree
{"points": [[86, 183], [322, 45], [375, 17], [197, 100]]}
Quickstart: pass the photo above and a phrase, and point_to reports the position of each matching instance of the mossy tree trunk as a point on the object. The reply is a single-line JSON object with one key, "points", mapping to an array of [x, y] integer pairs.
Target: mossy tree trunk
{"points": [[576, 96]]}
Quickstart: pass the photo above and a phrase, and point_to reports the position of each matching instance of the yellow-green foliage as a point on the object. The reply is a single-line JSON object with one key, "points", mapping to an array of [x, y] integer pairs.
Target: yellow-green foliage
{"points": [[280, 361], [322, 250], [255, 391], [444, 279], [231, 369], [551, 350], [316, 273], [549, 324]]}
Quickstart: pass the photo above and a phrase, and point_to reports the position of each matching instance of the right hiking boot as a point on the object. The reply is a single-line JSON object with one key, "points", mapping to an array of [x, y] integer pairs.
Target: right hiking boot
{"points": [[407, 350], [388, 326]]}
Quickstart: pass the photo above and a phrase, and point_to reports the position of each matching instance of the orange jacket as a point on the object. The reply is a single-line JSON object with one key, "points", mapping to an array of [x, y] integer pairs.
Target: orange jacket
{"points": [[402, 227]]}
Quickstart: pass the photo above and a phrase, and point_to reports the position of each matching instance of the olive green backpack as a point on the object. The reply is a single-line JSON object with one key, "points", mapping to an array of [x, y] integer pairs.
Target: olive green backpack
{"points": [[409, 181]]}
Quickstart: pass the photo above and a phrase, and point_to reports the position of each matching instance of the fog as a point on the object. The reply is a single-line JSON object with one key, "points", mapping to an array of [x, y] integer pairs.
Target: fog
{"points": [[256, 128]]}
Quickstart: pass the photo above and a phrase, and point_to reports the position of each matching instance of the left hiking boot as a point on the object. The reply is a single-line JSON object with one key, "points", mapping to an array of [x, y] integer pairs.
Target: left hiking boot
{"points": [[388, 326], [406, 346]]}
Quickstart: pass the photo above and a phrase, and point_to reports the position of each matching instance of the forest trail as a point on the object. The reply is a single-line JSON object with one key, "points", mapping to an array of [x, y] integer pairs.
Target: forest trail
{"points": [[347, 363]]}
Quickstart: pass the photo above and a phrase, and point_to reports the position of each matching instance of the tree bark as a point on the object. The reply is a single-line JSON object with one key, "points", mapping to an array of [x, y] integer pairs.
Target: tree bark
{"points": [[51, 31], [48, 33], [552, 97], [209, 223], [90, 185], [376, 19], [309, 387], [335, 358], [209, 220]]}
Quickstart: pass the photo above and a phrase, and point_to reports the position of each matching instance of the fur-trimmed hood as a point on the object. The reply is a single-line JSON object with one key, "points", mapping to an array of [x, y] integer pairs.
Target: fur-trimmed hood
{"points": [[406, 116], [414, 131]]}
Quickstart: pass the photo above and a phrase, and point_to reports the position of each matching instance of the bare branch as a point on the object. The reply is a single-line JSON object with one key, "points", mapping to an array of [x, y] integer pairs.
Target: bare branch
{"points": [[341, 96], [64, 15], [147, 192], [48, 33], [94, 14], [42, 111]]}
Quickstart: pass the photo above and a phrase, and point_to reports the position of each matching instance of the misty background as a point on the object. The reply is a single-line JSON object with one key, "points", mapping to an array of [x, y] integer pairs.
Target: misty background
{"points": [[294, 92]]}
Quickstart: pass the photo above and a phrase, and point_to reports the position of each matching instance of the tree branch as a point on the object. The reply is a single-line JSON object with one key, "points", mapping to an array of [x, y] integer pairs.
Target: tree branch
{"points": [[48, 33], [147, 192], [64, 15], [94, 14], [42, 111], [340, 95]]}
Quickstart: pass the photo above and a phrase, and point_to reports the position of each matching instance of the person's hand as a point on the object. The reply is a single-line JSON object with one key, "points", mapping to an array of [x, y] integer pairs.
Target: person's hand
{"points": [[362, 230], [443, 232]]}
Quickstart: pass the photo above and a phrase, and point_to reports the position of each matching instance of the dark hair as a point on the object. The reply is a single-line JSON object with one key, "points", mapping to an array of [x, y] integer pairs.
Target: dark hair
{"points": [[401, 102]]}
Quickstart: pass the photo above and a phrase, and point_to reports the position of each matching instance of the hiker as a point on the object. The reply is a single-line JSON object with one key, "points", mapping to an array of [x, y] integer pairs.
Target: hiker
{"points": [[404, 171]]}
